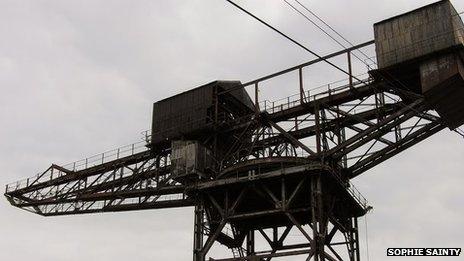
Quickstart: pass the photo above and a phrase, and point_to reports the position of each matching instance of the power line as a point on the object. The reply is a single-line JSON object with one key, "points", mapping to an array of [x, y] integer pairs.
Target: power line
{"points": [[384, 74], [333, 38], [331, 28], [315, 24], [296, 42], [291, 39], [326, 24], [300, 45], [320, 28], [327, 33]]}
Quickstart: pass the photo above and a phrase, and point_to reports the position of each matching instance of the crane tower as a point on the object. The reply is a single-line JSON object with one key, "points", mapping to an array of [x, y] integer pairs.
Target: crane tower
{"points": [[255, 168]]}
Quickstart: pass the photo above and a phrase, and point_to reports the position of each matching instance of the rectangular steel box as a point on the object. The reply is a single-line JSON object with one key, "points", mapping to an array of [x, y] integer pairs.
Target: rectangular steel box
{"points": [[190, 159], [443, 87], [193, 111], [418, 33]]}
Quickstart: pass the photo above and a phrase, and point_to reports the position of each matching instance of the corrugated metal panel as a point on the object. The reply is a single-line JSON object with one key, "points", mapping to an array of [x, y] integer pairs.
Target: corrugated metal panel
{"points": [[191, 111], [443, 86], [239, 93], [415, 34], [190, 158], [181, 114]]}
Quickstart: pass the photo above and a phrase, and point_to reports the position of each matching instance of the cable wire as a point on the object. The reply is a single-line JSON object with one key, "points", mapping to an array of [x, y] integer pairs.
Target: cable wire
{"points": [[307, 49], [297, 43], [291, 39], [314, 23], [320, 28], [386, 75], [309, 19], [332, 29]]}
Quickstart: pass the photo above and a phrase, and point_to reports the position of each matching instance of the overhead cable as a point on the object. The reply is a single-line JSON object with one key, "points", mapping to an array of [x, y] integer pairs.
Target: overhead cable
{"points": [[329, 26], [292, 40]]}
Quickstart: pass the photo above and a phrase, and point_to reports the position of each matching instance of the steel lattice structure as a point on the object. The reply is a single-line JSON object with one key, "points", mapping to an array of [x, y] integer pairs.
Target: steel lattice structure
{"points": [[269, 168], [307, 143]]}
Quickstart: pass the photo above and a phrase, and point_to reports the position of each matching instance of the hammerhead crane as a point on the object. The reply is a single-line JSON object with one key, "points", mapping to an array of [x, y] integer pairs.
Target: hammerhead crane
{"points": [[253, 167]]}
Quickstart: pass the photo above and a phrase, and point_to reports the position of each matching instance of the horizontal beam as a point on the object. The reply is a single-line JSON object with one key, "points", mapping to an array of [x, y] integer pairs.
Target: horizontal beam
{"points": [[297, 67], [271, 255], [341, 122], [178, 189], [314, 166], [108, 166], [329, 100], [128, 207]]}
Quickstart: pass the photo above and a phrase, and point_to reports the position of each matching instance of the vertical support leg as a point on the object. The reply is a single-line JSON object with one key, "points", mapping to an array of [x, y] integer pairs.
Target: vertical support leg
{"points": [[350, 70], [356, 238], [341, 137], [351, 245], [257, 110], [318, 128], [379, 104], [210, 241], [250, 243], [318, 220], [216, 119], [323, 120], [353, 240], [198, 233], [302, 92]]}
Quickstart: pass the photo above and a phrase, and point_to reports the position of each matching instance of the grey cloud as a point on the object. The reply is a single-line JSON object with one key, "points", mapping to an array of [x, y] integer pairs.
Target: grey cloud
{"points": [[79, 77]]}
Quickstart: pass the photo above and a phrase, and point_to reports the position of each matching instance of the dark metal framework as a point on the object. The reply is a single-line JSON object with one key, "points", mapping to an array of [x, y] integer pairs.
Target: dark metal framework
{"points": [[288, 170]]}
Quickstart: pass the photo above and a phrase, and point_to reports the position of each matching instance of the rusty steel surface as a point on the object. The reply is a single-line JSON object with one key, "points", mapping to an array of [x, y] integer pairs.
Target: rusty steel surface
{"points": [[266, 170], [418, 33], [263, 168]]}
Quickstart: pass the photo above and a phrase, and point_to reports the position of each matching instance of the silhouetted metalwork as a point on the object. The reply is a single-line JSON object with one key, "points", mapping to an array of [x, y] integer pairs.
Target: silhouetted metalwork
{"points": [[252, 167]]}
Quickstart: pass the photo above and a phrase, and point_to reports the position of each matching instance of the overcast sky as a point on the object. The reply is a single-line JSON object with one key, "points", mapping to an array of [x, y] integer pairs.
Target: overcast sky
{"points": [[79, 77]]}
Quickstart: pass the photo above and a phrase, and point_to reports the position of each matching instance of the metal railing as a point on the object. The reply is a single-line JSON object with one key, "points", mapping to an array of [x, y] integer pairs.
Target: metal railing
{"points": [[107, 156], [57, 171], [296, 99], [255, 84], [352, 190], [356, 194]]}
